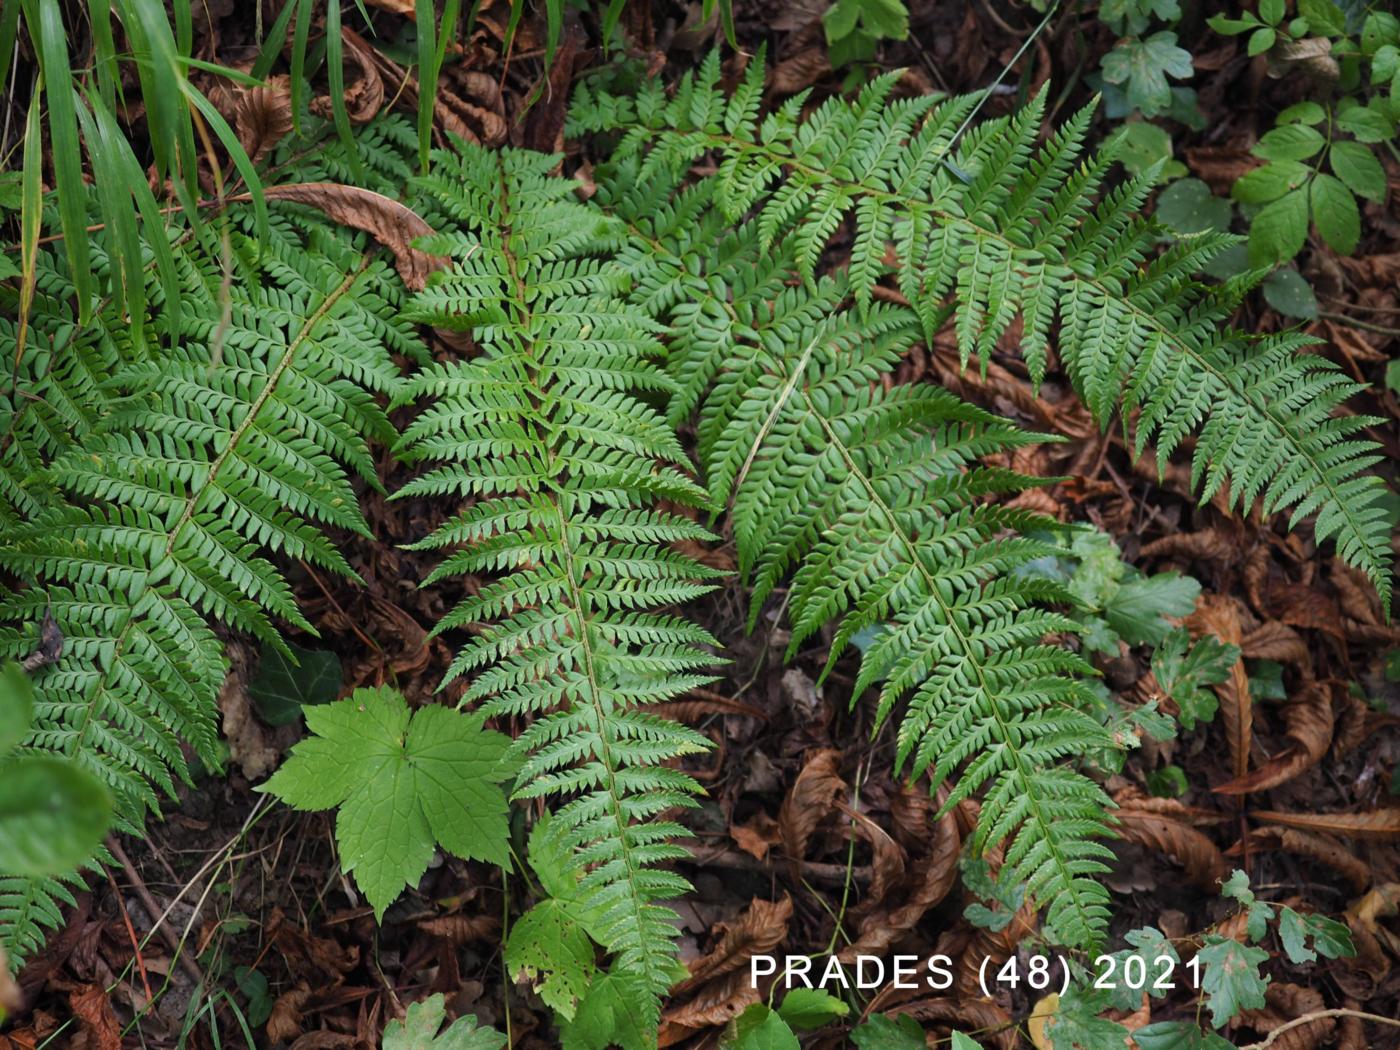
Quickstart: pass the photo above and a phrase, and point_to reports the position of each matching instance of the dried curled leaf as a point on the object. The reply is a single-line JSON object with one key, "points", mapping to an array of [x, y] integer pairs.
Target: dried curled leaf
{"points": [[1310, 721], [719, 981], [386, 220], [1322, 848], [1218, 615], [1201, 858], [1378, 824], [930, 878], [812, 798]]}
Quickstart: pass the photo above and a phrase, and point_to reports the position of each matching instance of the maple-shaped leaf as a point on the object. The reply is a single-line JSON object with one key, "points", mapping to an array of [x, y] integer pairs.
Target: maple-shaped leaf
{"points": [[1329, 937], [419, 1030], [1231, 978], [1141, 67], [405, 782], [552, 944]]}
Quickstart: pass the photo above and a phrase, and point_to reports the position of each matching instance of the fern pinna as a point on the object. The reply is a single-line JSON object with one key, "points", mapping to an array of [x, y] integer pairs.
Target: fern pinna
{"points": [[991, 228], [546, 435], [873, 500], [154, 519]]}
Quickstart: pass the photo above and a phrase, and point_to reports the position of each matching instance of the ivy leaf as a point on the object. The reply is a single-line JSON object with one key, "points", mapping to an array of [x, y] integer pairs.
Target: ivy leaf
{"points": [[759, 1028], [808, 1008], [1184, 670], [1149, 945], [1329, 937], [1237, 888], [1279, 230], [1142, 67], [883, 1032], [404, 782], [419, 1030], [1076, 1024], [53, 814], [1335, 213], [1131, 17], [1231, 978], [283, 688]]}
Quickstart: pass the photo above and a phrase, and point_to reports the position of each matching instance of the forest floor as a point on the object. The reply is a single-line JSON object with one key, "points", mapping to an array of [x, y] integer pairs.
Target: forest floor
{"points": [[260, 939]]}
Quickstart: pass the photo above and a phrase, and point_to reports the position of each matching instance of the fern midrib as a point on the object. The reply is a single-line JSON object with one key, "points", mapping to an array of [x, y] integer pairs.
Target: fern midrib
{"points": [[968, 652], [1296, 438], [119, 646], [577, 600], [269, 388]]}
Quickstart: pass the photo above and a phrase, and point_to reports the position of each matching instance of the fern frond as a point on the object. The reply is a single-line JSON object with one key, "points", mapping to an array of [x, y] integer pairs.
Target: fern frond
{"points": [[870, 499], [562, 465], [168, 498], [991, 228]]}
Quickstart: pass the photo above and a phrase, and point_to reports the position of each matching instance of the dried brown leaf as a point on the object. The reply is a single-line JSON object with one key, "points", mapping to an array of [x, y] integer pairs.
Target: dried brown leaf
{"points": [[1201, 858], [284, 1023], [1276, 641], [1322, 848], [1377, 824], [1218, 615], [100, 1029], [800, 71], [931, 878], [718, 986], [1310, 721], [812, 798], [756, 837], [386, 220], [262, 116], [1288, 1002]]}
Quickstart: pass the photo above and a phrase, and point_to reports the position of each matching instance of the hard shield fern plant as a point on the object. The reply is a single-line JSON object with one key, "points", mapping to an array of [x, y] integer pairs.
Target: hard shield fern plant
{"points": [[871, 498], [546, 436], [990, 228], [153, 515]]}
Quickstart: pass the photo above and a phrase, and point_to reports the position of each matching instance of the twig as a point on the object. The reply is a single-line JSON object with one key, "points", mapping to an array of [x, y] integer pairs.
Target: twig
{"points": [[153, 910], [1318, 1015], [1353, 322]]}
